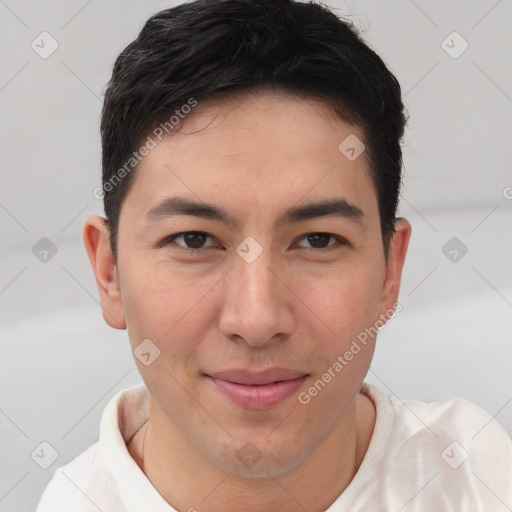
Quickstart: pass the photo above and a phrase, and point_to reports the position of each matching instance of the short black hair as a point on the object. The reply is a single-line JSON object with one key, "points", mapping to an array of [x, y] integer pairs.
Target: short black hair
{"points": [[209, 48]]}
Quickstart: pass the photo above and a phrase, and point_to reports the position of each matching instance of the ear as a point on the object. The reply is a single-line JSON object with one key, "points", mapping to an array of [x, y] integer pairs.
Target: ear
{"points": [[97, 243], [396, 258]]}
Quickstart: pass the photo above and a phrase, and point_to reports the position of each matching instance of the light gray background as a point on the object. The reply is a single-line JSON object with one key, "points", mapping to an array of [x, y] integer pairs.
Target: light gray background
{"points": [[60, 364]]}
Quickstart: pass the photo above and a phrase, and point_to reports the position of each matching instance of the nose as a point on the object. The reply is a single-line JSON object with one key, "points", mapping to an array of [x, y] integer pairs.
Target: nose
{"points": [[258, 306]]}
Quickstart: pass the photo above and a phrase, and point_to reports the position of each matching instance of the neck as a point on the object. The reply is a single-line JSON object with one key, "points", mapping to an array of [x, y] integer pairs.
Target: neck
{"points": [[188, 480]]}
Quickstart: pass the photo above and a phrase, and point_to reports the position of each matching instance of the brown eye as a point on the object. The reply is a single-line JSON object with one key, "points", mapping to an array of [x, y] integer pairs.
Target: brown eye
{"points": [[321, 240], [190, 240], [194, 240]]}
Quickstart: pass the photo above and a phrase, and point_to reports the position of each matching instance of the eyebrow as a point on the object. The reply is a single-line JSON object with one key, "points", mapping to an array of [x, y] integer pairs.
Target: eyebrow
{"points": [[337, 207]]}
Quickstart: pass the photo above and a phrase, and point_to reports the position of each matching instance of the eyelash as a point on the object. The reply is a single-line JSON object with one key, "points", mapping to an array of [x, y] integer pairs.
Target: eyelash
{"points": [[339, 241]]}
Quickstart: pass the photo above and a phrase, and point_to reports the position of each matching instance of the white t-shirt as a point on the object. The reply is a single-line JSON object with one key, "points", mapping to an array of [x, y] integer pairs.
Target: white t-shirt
{"points": [[428, 457]]}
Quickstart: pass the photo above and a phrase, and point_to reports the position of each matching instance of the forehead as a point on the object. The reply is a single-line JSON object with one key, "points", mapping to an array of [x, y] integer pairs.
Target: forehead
{"points": [[274, 147], [283, 123]]}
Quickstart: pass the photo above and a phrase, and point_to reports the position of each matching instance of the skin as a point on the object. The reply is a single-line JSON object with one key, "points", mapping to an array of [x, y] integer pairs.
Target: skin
{"points": [[297, 306]]}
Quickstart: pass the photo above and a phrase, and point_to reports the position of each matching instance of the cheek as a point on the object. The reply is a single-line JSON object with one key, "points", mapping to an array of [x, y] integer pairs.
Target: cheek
{"points": [[345, 304], [173, 315], [164, 305], [347, 307]]}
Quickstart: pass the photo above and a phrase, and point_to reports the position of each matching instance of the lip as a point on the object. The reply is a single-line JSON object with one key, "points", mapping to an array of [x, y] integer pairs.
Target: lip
{"points": [[258, 390]]}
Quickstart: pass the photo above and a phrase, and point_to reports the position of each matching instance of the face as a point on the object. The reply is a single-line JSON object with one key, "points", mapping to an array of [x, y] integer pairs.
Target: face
{"points": [[270, 275]]}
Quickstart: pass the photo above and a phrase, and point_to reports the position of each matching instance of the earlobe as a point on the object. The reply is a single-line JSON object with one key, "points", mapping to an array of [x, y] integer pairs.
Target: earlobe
{"points": [[97, 243], [396, 258]]}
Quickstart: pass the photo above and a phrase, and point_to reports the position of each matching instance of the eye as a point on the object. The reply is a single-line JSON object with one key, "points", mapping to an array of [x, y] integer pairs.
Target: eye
{"points": [[192, 240], [323, 241]]}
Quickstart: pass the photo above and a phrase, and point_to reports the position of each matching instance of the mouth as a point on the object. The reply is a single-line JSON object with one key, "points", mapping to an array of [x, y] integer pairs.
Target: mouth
{"points": [[257, 390]]}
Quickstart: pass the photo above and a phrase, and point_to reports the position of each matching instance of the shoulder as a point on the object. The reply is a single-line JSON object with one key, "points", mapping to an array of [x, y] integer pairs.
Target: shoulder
{"points": [[457, 419], [91, 480], [81, 485], [453, 449]]}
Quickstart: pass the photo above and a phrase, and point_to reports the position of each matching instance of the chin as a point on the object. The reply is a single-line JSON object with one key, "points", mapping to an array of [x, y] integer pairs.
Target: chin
{"points": [[259, 459]]}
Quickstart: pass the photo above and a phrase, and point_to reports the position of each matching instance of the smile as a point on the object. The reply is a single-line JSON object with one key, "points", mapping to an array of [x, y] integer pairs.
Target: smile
{"points": [[258, 391]]}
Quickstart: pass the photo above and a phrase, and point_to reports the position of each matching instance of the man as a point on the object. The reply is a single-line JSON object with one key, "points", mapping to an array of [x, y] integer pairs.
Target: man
{"points": [[251, 173]]}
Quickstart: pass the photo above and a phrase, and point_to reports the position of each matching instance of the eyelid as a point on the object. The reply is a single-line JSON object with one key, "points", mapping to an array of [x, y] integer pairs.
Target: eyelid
{"points": [[168, 240], [339, 241]]}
